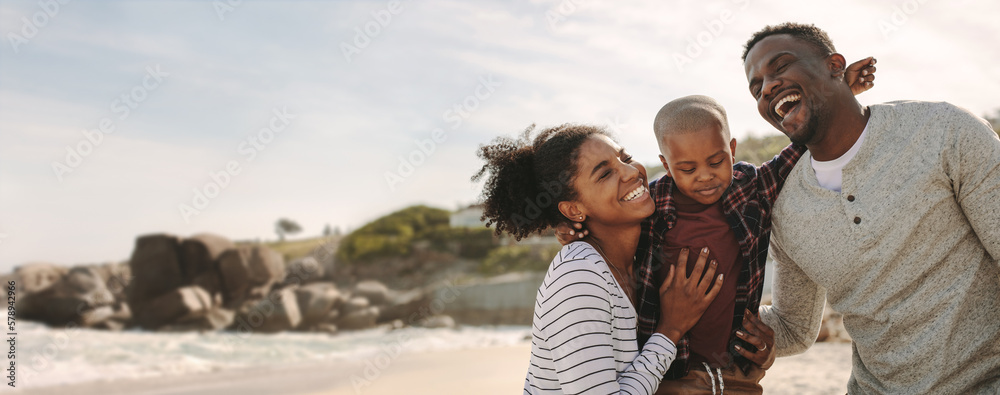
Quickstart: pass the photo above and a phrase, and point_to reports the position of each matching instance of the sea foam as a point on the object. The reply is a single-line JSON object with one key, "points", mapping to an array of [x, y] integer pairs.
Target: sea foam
{"points": [[55, 356]]}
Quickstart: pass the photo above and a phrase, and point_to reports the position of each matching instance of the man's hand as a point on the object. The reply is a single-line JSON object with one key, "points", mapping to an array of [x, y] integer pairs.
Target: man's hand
{"points": [[568, 232], [761, 336], [860, 75]]}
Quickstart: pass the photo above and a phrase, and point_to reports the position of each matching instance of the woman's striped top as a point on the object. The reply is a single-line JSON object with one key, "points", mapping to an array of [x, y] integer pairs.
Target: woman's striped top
{"points": [[584, 333]]}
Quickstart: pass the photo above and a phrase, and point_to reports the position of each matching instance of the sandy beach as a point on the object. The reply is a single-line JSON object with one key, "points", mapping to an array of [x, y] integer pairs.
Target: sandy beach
{"points": [[824, 369]]}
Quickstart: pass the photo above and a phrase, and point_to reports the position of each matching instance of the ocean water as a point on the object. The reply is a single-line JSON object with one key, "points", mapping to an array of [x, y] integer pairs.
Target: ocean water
{"points": [[53, 356]]}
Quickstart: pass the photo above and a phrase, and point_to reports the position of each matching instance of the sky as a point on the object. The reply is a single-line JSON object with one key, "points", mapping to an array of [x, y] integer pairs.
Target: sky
{"points": [[119, 119]]}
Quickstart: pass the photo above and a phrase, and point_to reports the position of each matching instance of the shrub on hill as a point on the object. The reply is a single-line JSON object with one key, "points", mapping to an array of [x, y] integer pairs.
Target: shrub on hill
{"points": [[394, 234]]}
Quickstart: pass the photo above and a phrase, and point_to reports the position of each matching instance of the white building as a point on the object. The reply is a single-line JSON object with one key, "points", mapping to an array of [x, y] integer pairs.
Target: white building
{"points": [[468, 217]]}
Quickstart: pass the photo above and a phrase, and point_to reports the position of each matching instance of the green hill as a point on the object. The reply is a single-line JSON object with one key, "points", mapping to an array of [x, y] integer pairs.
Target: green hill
{"points": [[394, 234]]}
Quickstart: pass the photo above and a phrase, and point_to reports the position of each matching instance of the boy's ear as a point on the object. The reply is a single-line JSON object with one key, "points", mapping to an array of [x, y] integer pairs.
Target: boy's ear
{"points": [[572, 211], [732, 148], [665, 167], [837, 65]]}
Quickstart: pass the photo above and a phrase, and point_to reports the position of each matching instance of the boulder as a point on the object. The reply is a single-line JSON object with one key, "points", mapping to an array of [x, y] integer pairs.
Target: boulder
{"points": [[438, 321], [122, 314], [247, 272], [106, 317], [171, 306], [361, 319], [267, 266], [404, 305], [275, 313], [211, 282], [52, 309], [83, 280], [93, 317], [356, 303], [394, 324], [303, 271], [374, 291], [37, 277], [328, 328], [110, 325], [67, 300], [213, 319], [344, 298], [96, 298], [116, 277], [315, 301], [332, 316], [155, 268], [200, 254], [5, 279]]}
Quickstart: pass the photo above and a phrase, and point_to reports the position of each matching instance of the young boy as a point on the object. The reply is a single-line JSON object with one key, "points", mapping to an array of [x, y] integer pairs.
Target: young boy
{"points": [[708, 200]]}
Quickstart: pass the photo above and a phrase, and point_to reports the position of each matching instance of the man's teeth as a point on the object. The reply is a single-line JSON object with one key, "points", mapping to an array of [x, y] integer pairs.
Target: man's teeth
{"points": [[777, 107], [635, 193]]}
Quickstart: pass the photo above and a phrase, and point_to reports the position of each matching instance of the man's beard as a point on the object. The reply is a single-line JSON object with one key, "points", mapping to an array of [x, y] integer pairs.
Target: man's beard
{"points": [[808, 133]]}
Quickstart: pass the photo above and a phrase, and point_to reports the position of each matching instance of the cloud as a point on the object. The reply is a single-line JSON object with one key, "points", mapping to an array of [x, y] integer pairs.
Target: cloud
{"points": [[588, 61]]}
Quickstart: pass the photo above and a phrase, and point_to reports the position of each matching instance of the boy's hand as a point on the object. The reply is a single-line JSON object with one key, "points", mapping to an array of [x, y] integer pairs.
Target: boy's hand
{"points": [[860, 75], [761, 336], [568, 232], [683, 298]]}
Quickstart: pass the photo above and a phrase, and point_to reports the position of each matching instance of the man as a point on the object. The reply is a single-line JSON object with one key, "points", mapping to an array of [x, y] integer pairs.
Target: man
{"points": [[893, 215]]}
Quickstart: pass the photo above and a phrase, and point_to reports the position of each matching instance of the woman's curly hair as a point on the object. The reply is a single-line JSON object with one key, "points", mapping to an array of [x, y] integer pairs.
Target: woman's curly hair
{"points": [[528, 178]]}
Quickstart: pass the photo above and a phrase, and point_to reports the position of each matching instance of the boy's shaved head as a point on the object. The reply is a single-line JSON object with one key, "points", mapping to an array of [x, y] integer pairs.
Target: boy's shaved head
{"points": [[695, 147], [689, 114]]}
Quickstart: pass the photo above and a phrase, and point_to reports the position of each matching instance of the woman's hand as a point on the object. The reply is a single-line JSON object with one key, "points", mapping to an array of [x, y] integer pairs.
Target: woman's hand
{"points": [[860, 75], [761, 336], [683, 299]]}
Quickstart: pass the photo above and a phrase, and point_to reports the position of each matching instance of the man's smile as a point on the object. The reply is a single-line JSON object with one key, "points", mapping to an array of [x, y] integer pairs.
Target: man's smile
{"points": [[784, 103]]}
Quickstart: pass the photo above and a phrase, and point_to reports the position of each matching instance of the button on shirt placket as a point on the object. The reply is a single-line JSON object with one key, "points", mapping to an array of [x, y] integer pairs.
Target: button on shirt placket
{"points": [[851, 208], [857, 218]]}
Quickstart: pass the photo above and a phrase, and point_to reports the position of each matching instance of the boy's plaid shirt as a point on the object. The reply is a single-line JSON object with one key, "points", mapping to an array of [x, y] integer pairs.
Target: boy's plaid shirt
{"points": [[747, 204]]}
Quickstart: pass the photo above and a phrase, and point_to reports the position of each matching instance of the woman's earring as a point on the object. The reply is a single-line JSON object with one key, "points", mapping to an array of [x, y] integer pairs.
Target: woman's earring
{"points": [[581, 218]]}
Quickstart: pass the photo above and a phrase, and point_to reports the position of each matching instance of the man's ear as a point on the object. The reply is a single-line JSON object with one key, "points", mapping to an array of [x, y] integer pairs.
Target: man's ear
{"points": [[665, 167], [732, 148], [837, 65], [572, 211]]}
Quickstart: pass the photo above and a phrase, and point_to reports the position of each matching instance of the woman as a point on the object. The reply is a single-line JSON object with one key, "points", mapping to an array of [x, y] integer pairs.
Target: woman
{"points": [[584, 328]]}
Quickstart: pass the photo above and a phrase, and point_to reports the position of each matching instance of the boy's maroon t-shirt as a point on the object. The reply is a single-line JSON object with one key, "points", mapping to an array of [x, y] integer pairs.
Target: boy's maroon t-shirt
{"points": [[698, 226]]}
